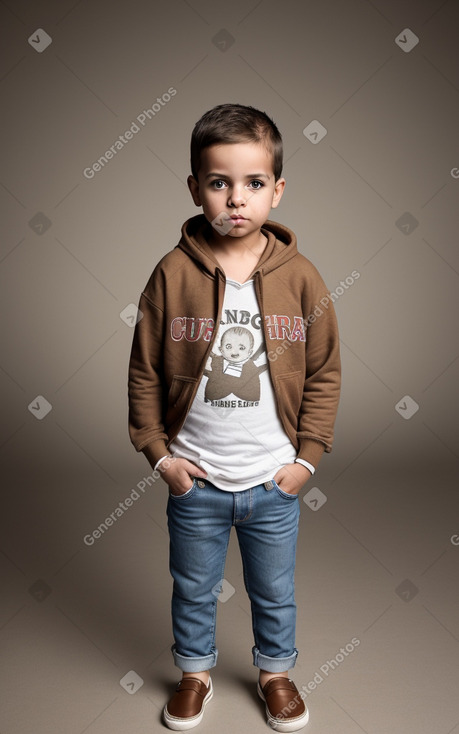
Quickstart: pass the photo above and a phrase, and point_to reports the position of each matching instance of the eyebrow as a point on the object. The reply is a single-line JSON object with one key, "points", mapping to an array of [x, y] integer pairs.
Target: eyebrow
{"points": [[250, 175]]}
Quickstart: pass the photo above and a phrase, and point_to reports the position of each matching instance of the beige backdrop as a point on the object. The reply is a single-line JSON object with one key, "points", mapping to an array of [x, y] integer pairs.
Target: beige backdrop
{"points": [[377, 194]]}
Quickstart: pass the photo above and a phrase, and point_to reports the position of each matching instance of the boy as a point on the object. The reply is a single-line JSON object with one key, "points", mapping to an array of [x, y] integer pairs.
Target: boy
{"points": [[235, 381]]}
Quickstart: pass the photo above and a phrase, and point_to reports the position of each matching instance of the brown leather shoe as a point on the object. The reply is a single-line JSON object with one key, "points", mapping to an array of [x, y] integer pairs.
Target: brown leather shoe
{"points": [[285, 709], [186, 707]]}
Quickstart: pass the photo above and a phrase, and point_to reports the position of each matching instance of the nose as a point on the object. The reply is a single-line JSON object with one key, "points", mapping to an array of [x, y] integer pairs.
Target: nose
{"points": [[237, 197]]}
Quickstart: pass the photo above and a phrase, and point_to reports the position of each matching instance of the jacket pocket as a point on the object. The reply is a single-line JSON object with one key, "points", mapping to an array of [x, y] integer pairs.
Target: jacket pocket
{"points": [[179, 395], [290, 386]]}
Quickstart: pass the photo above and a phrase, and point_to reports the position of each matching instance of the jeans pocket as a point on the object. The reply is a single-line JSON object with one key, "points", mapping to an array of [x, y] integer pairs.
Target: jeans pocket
{"points": [[182, 496], [285, 495]]}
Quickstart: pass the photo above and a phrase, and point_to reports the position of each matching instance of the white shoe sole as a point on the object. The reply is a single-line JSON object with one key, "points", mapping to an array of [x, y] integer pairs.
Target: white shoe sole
{"points": [[284, 725], [177, 724]]}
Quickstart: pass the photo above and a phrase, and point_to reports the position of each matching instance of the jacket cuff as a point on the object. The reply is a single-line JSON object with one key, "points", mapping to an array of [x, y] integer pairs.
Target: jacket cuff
{"points": [[155, 450], [310, 450]]}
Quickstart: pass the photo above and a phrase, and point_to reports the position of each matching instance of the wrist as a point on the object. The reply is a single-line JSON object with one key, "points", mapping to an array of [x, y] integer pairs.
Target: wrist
{"points": [[306, 464], [160, 461]]}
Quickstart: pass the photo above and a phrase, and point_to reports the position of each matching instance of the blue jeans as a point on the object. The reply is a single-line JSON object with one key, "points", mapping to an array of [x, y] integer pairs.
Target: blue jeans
{"points": [[266, 522]]}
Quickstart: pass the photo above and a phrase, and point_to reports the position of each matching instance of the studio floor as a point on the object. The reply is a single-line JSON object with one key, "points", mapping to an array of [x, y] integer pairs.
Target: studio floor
{"points": [[87, 649]]}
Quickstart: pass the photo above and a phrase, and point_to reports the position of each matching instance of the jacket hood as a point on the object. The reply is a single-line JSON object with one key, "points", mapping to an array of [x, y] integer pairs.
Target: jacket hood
{"points": [[196, 232]]}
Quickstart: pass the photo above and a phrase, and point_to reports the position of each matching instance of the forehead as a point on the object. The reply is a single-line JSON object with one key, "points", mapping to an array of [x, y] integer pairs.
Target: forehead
{"points": [[237, 159]]}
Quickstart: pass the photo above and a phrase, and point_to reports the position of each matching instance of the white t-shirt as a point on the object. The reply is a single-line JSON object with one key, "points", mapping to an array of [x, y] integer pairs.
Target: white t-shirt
{"points": [[233, 430]]}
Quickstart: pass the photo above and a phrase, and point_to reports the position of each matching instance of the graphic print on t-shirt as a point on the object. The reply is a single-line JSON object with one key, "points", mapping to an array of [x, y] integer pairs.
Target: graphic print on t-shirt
{"points": [[234, 371], [233, 429]]}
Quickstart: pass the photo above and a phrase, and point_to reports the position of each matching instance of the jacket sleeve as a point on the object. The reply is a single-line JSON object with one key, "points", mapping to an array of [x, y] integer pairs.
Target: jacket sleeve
{"points": [[323, 375], [146, 383]]}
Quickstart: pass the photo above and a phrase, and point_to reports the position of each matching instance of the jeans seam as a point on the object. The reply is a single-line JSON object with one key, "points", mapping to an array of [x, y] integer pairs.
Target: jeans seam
{"points": [[213, 629], [252, 605], [250, 509], [249, 513]]}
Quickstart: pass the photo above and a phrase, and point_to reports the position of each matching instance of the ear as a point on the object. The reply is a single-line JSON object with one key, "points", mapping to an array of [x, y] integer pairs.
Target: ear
{"points": [[278, 191], [194, 189]]}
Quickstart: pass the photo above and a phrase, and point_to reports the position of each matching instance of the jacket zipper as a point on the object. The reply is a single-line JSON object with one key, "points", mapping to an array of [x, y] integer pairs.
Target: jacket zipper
{"points": [[259, 294]]}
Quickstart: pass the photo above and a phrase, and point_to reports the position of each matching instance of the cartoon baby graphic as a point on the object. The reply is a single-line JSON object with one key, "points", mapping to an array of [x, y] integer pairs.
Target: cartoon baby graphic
{"points": [[234, 371]]}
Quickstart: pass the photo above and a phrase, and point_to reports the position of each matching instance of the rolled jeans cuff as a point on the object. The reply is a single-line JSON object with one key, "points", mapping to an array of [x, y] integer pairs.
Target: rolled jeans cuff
{"points": [[194, 664], [274, 665]]}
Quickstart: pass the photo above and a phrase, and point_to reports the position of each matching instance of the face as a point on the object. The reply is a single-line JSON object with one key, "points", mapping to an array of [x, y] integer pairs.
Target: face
{"points": [[235, 347], [236, 184]]}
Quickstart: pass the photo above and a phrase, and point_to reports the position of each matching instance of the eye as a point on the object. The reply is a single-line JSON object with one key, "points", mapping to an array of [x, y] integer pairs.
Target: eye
{"points": [[241, 348], [216, 184], [259, 184]]}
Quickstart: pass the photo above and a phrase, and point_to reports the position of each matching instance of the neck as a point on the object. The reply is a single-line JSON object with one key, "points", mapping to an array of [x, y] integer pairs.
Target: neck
{"points": [[239, 247]]}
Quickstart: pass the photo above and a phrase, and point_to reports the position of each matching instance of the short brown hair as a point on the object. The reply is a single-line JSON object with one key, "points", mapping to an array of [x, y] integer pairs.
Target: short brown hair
{"points": [[235, 123]]}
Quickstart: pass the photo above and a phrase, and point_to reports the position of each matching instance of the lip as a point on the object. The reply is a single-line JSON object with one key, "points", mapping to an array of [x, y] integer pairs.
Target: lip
{"points": [[237, 218]]}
